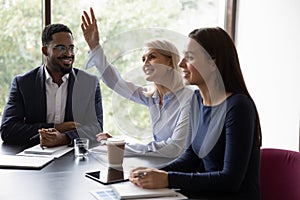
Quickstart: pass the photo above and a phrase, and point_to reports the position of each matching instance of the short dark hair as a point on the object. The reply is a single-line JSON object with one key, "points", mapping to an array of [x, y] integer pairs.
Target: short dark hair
{"points": [[51, 29]]}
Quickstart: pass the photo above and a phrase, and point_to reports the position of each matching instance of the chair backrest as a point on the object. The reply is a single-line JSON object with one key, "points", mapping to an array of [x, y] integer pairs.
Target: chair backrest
{"points": [[280, 174]]}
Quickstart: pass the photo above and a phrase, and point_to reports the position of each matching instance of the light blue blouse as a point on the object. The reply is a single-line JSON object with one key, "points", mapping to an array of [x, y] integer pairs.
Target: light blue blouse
{"points": [[169, 123]]}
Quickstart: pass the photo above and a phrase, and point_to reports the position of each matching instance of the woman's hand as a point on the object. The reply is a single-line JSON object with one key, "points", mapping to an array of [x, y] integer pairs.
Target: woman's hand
{"points": [[102, 136], [90, 29], [149, 178]]}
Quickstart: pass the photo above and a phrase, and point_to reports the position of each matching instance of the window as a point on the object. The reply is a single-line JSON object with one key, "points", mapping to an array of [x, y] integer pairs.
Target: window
{"points": [[124, 25], [21, 25]]}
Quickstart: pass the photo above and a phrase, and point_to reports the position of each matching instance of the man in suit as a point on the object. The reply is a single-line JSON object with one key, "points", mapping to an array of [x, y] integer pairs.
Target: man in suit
{"points": [[54, 101]]}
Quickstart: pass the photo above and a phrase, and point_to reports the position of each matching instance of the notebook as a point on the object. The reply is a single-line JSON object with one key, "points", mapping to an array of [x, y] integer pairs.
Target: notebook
{"points": [[23, 162], [128, 190], [54, 152], [45, 151]]}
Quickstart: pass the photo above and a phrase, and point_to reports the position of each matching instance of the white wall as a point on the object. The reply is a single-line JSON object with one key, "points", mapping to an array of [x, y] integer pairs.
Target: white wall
{"points": [[268, 43]]}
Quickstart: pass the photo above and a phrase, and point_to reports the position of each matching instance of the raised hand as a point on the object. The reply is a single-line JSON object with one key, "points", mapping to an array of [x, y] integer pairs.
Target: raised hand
{"points": [[90, 29]]}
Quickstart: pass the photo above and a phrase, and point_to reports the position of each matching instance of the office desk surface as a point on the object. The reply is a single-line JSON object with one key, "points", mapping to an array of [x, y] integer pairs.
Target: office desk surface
{"points": [[62, 179]]}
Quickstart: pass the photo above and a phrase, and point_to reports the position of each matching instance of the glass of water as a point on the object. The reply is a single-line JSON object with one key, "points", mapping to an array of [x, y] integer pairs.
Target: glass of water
{"points": [[81, 146]]}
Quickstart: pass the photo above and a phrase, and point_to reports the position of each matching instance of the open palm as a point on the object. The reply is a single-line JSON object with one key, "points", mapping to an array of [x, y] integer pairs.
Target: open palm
{"points": [[90, 29]]}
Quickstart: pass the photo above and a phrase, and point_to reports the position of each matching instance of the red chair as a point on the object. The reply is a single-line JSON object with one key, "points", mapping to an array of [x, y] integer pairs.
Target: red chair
{"points": [[280, 174]]}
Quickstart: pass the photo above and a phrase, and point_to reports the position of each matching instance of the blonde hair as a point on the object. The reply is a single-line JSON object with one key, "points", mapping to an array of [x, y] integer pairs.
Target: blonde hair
{"points": [[168, 49]]}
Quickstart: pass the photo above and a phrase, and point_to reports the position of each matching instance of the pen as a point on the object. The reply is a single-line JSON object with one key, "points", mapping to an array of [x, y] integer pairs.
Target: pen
{"points": [[141, 174], [38, 135], [34, 137]]}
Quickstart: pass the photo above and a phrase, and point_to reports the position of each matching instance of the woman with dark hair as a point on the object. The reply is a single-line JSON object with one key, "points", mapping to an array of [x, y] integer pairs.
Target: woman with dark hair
{"points": [[224, 156]]}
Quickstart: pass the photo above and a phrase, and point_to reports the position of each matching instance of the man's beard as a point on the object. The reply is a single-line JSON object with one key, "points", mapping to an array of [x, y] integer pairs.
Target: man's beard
{"points": [[64, 71]]}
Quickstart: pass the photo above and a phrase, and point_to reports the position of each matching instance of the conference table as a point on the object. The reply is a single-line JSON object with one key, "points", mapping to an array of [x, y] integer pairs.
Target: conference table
{"points": [[61, 179], [64, 177]]}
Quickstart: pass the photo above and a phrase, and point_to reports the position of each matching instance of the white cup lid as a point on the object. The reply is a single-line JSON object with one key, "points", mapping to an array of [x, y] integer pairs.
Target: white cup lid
{"points": [[115, 140]]}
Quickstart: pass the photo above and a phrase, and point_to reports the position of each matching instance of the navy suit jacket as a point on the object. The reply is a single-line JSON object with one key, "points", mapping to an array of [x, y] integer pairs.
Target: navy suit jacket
{"points": [[26, 108]]}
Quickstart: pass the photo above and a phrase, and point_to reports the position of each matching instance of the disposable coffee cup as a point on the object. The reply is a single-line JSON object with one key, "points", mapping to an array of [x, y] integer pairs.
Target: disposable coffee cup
{"points": [[115, 151], [81, 146]]}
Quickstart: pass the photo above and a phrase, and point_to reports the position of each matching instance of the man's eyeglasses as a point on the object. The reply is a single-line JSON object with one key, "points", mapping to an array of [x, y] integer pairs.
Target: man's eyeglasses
{"points": [[63, 49]]}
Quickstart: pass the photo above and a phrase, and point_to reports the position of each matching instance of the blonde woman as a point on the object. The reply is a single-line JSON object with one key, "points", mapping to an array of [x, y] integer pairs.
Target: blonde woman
{"points": [[168, 103]]}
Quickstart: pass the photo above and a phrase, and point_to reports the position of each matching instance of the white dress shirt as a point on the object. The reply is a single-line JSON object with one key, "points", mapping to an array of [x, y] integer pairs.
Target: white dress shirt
{"points": [[56, 98]]}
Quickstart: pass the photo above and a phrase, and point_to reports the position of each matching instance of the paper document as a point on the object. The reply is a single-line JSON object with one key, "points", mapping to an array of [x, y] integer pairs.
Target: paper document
{"points": [[111, 194], [105, 194], [54, 152], [26, 162]]}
